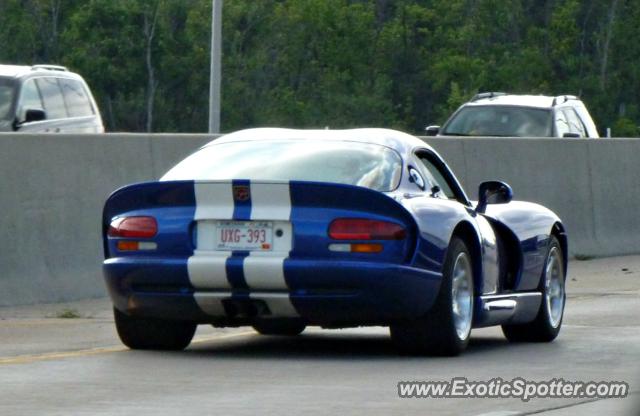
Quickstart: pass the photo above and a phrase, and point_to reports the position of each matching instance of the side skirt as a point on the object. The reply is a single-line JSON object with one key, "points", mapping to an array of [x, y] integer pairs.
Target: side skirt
{"points": [[511, 308]]}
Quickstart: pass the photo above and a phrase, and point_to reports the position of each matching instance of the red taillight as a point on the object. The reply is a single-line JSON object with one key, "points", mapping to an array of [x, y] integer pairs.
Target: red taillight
{"points": [[133, 227], [361, 229]]}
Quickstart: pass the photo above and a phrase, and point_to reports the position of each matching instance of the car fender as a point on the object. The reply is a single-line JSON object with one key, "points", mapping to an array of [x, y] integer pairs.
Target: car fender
{"points": [[437, 220], [532, 225]]}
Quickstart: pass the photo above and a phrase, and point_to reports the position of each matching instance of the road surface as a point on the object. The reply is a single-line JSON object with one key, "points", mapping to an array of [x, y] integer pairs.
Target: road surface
{"points": [[51, 365]]}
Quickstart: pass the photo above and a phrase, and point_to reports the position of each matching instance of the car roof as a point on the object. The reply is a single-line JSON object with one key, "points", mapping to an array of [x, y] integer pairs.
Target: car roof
{"points": [[18, 71], [13, 70], [399, 141], [538, 101]]}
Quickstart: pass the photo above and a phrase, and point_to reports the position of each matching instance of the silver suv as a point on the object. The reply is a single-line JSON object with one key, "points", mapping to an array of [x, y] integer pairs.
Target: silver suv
{"points": [[46, 99], [509, 115]]}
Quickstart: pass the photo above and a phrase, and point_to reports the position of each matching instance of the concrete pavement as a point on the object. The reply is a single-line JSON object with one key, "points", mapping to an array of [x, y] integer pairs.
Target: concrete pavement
{"points": [[76, 366]]}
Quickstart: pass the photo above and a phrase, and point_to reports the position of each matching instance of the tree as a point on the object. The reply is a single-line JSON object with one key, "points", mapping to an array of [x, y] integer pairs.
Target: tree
{"points": [[338, 63]]}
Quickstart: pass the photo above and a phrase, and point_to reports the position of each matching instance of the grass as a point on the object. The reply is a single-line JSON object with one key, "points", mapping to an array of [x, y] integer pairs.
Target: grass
{"points": [[68, 313]]}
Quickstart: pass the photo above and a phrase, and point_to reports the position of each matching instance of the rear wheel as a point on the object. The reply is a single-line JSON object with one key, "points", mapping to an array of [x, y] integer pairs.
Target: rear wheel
{"points": [[446, 329], [278, 327], [153, 334], [546, 326]]}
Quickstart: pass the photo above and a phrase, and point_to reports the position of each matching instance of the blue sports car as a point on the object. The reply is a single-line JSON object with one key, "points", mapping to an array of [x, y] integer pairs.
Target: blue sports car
{"points": [[279, 229]]}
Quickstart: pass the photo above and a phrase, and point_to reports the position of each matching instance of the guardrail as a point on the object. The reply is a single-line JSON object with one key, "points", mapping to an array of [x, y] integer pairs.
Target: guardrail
{"points": [[53, 188]]}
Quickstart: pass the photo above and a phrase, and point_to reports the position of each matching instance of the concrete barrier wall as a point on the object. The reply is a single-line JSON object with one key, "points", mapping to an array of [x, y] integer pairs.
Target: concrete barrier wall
{"points": [[593, 185], [52, 189]]}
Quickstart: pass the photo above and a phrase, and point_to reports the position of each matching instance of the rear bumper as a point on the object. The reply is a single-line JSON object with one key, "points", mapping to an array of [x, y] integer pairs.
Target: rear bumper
{"points": [[336, 293]]}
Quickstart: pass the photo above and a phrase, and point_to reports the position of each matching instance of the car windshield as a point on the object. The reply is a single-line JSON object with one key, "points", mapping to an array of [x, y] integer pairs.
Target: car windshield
{"points": [[352, 163], [7, 92], [500, 120]]}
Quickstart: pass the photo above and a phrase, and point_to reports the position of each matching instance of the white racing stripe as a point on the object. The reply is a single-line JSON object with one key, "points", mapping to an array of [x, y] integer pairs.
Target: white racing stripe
{"points": [[213, 201], [207, 268], [265, 270], [270, 201]]}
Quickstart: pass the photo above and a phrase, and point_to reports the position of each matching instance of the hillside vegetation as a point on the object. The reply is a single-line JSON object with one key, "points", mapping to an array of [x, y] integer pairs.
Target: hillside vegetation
{"points": [[339, 63]]}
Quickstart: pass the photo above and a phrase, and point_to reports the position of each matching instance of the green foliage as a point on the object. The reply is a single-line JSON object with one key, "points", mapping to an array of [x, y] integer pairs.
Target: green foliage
{"points": [[624, 127], [68, 313], [339, 63]]}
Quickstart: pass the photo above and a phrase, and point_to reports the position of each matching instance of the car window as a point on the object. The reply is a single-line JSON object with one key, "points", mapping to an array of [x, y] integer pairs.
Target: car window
{"points": [[29, 98], [575, 124], [500, 120], [352, 163], [52, 97], [562, 124], [7, 92], [75, 96], [435, 177]]}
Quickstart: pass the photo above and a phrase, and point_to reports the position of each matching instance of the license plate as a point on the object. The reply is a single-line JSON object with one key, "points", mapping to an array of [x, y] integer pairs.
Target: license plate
{"points": [[244, 235]]}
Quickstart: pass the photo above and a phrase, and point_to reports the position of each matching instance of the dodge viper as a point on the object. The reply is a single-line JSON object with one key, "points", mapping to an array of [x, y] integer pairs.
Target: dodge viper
{"points": [[280, 229]]}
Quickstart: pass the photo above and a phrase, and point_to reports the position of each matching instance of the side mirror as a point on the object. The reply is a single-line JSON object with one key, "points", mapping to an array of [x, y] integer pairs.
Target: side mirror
{"points": [[33, 114], [432, 130], [493, 192]]}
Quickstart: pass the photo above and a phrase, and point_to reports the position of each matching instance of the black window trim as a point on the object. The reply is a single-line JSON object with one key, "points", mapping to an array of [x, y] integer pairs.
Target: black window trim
{"points": [[447, 174]]}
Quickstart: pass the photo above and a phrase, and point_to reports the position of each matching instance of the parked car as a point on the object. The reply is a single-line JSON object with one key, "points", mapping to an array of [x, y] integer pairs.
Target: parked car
{"points": [[280, 229], [46, 99], [509, 115]]}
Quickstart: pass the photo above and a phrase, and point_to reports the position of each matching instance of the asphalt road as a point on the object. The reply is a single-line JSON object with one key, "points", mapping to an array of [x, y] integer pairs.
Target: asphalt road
{"points": [[76, 366]]}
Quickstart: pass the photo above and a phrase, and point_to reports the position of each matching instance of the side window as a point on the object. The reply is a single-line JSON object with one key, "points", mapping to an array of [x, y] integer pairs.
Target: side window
{"points": [[435, 178], [52, 97], [75, 96], [562, 125], [29, 98], [575, 124], [6, 100]]}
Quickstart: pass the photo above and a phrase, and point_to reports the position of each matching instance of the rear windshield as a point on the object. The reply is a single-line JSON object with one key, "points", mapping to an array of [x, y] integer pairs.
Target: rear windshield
{"points": [[7, 94], [500, 120], [352, 163]]}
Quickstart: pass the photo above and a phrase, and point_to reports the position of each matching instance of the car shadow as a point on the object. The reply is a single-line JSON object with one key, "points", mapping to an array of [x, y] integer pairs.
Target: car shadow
{"points": [[327, 346]]}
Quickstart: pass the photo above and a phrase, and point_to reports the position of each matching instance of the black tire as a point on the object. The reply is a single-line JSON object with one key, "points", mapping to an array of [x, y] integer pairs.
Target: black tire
{"points": [[153, 334], [542, 328], [435, 333], [279, 327]]}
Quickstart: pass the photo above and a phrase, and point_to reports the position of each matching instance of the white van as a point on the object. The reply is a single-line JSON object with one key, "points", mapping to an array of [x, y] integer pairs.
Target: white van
{"points": [[46, 99]]}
